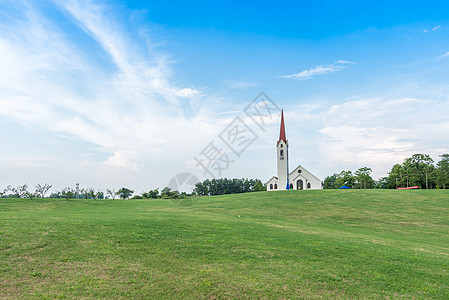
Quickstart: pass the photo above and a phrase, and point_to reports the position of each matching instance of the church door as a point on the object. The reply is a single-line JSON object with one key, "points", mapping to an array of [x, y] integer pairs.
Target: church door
{"points": [[299, 184]]}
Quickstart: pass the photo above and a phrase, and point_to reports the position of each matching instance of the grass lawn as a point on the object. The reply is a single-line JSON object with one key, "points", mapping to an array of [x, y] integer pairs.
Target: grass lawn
{"points": [[290, 244]]}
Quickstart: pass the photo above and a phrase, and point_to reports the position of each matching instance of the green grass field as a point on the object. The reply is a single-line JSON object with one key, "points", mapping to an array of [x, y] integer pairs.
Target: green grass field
{"points": [[292, 244]]}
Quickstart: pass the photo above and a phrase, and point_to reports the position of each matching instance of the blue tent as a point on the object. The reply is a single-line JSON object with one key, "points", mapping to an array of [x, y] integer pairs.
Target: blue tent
{"points": [[344, 187]]}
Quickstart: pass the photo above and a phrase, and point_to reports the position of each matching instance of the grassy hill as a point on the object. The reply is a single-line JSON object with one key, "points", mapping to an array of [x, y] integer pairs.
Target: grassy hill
{"points": [[291, 244]]}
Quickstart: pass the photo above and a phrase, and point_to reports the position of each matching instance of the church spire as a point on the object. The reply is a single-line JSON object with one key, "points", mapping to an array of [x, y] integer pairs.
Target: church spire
{"points": [[282, 133]]}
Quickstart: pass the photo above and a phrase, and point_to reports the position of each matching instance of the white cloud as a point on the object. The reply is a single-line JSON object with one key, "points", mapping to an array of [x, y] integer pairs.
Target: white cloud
{"points": [[187, 92], [443, 55], [122, 160], [435, 28], [319, 70], [379, 132], [120, 97]]}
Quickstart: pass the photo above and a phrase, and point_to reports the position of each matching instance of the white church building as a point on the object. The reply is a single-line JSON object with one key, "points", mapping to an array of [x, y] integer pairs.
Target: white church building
{"points": [[299, 179]]}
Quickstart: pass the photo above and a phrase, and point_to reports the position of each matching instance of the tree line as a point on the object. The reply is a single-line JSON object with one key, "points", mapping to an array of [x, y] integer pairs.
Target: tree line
{"points": [[418, 170], [222, 186], [207, 187]]}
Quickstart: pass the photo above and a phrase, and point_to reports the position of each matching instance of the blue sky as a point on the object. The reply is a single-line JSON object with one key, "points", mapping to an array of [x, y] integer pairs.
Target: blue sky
{"points": [[128, 93]]}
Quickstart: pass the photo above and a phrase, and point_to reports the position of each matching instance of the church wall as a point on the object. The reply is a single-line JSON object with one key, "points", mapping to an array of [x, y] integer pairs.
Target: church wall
{"points": [[306, 177], [273, 182]]}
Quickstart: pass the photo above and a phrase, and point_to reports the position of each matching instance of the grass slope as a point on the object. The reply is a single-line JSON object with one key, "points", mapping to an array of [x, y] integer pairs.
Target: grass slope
{"points": [[291, 244]]}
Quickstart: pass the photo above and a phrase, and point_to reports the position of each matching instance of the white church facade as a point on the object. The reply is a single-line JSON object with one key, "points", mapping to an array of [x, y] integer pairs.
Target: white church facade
{"points": [[299, 178]]}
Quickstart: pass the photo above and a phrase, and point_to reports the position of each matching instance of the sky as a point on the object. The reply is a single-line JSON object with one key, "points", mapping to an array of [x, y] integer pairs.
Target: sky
{"points": [[112, 94]]}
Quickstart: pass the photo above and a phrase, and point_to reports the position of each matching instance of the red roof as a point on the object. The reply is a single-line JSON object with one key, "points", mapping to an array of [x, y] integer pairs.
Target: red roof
{"points": [[282, 133]]}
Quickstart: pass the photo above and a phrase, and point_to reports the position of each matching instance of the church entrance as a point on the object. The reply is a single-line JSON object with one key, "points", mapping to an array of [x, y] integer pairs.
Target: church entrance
{"points": [[299, 184]]}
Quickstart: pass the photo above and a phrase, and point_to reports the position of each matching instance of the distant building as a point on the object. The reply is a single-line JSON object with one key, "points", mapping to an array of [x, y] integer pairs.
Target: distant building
{"points": [[299, 179]]}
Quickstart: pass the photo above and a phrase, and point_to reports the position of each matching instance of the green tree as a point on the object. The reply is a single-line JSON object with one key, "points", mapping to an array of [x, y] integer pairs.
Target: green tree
{"points": [[442, 171], [363, 178], [67, 193], [382, 183], [30, 195], [153, 194], [419, 167], [41, 190], [167, 193], [124, 193], [22, 190], [95, 194], [396, 177], [111, 194], [345, 178], [223, 186], [259, 186], [329, 182]]}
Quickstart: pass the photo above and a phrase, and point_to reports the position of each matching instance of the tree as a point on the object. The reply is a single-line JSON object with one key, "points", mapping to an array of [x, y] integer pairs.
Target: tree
{"points": [[84, 193], [153, 194], [111, 193], [67, 193], [259, 186], [12, 189], [167, 193], [41, 190], [329, 182], [30, 195], [56, 194], [396, 177], [223, 186], [22, 190], [93, 194], [419, 167], [382, 183], [363, 177], [124, 193], [18, 192], [345, 178], [442, 171]]}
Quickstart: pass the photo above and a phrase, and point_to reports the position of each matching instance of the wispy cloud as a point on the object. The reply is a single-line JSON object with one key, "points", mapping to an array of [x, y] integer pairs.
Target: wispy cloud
{"points": [[435, 28], [319, 70], [120, 97], [379, 132], [443, 55]]}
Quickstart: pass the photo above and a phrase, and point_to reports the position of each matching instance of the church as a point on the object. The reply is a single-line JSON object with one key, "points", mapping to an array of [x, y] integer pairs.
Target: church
{"points": [[299, 179]]}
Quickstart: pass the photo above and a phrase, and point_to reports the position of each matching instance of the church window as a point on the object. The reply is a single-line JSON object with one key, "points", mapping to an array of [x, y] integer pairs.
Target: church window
{"points": [[282, 152], [275, 186], [291, 186], [299, 171], [309, 185], [271, 186], [282, 146]]}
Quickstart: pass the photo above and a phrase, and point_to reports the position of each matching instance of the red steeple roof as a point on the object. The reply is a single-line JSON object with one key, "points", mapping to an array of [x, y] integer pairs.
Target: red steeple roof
{"points": [[282, 133]]}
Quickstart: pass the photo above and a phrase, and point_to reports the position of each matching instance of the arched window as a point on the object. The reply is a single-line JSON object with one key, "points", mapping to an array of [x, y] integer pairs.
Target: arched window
{"points": [[291, 186], [275, 186], [309, 186], [271, 186], [282, 146]]}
